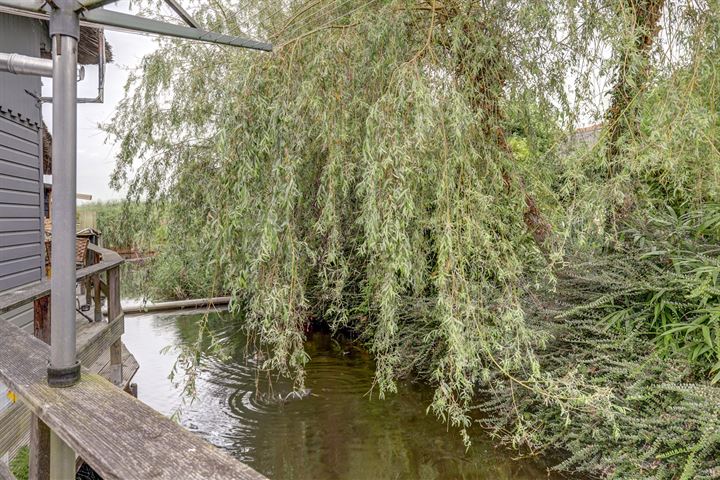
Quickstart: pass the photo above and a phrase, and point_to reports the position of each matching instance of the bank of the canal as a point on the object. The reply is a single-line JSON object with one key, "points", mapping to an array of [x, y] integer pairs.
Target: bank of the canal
{"points": [[341, 431]]}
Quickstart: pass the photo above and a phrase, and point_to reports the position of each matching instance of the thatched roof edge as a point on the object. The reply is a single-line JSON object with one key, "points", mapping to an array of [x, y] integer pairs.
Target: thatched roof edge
{"points": [[88, 47]]}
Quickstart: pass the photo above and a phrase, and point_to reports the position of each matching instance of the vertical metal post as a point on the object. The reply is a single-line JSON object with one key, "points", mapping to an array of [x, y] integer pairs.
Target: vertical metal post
{"points": [[64, 369]]}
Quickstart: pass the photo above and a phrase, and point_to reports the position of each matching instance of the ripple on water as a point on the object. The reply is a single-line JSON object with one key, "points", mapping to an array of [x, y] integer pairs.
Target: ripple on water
{"points": [[340, 431]]}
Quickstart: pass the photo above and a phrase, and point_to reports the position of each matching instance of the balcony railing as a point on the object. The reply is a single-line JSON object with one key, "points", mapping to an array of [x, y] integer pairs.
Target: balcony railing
{"points": [[114, 433]]}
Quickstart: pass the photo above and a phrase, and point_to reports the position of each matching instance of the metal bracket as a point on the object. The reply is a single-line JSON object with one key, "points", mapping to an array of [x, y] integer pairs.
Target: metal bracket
{"points": [[100, 98], [64, 20]]}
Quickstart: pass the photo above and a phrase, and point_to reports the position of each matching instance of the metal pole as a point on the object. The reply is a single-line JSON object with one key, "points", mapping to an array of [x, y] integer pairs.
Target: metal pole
{"points": [[64, 369]]}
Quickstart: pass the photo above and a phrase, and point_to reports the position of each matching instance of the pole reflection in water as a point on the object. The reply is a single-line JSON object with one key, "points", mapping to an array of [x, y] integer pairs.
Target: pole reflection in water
{"points": [[338, 431]]}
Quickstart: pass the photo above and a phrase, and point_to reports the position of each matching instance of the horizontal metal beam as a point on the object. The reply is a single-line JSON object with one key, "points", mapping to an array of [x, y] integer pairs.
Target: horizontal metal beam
{"points": [[24, 65], [41, 5], [123, 21], [138, 24]]}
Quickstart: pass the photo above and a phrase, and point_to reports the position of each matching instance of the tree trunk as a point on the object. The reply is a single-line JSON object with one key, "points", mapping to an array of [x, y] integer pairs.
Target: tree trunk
{"points": [[631, 76]]}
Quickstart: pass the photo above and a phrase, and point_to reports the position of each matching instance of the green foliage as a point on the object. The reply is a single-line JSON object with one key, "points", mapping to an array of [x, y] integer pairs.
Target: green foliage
{"points": [[664, 423], [124, 225], [666, 285], [406, 172], [381, 199], [20, 464]]}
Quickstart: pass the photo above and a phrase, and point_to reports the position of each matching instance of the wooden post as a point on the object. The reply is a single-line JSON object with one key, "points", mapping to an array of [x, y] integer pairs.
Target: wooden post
{"points": [[39, 449], [62, 459], [41, 319], [115, 310], [5, 473], [98, 298], [39, 432], [132, 389], [87, 285], [90, 281]]}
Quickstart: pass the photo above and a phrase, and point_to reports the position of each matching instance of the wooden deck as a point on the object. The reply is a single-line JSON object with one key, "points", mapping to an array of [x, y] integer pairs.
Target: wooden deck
{"points": [[119, 436], [93, 341], [104, 368]]}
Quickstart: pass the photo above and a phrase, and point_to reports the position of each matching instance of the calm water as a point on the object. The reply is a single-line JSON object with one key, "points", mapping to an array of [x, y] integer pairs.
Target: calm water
{"points": [[339, 432]]}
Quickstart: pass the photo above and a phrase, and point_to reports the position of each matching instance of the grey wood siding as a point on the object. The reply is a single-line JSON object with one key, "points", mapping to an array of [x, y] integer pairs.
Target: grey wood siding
{"points": [[18, 93], [21, 238], [21, 202], [21, 234]]}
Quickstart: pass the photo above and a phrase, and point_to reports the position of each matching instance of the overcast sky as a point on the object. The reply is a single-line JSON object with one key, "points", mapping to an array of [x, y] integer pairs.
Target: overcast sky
{"points": [[96, 158]]}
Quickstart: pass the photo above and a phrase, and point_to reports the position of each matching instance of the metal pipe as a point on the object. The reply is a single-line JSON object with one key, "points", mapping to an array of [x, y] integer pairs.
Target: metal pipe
{"points": [[101, 67], [24, 65], [215, 303], [89, 4], [64, 369]]}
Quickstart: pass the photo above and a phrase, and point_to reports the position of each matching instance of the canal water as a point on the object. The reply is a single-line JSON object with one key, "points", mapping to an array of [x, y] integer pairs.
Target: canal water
{"points": [[340, 431]]}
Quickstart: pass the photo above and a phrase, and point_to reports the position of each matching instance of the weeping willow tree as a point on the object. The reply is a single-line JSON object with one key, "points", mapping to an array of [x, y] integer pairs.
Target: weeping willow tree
{"points": [[360, 174], [400, 170]]}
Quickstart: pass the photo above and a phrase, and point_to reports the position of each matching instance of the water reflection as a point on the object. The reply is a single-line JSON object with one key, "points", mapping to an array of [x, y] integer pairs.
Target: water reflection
{"points": [[338, 432]]}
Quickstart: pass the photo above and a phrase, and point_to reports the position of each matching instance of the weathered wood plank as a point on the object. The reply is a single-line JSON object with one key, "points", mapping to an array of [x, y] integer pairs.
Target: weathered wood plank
{"points": [[130, 368], [21, 296], [120, 437], [116, 364], [97, 298], [14, 423], [114, 310], [95, 338], [39, 449], [39, 467]]}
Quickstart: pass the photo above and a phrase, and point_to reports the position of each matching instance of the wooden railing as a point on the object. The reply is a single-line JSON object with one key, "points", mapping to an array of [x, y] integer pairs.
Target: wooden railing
{"points": [[117, 435]]}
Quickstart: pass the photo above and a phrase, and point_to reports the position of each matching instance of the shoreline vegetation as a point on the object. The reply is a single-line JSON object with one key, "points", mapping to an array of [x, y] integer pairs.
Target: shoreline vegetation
{"points": [[413, 177]]}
